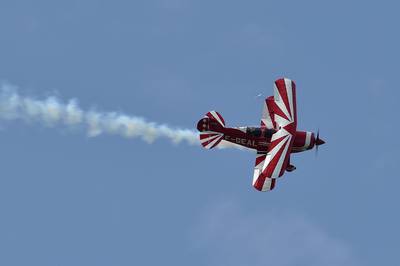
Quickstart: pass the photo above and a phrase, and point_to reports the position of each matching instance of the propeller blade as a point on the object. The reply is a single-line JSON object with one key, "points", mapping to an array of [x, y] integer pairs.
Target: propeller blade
{"points": [[318, 142]]}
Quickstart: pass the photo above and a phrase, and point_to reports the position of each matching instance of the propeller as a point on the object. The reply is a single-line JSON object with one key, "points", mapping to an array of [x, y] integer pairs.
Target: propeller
{"points": [[318, 142]]}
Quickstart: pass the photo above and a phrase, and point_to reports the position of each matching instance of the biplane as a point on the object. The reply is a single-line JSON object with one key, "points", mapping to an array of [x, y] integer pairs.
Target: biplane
{"points": [[274, 140]]}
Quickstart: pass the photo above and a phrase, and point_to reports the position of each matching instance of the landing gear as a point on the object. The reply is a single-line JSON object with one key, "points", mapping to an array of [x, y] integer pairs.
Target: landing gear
{"points": [[290, 168]]}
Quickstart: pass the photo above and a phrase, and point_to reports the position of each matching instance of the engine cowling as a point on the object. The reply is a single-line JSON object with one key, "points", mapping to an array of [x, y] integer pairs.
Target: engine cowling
{"points": [[304, 140]]}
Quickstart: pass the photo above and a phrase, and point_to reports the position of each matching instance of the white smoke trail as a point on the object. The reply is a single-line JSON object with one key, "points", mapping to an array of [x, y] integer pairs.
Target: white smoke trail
{"points": [[52, 111]]}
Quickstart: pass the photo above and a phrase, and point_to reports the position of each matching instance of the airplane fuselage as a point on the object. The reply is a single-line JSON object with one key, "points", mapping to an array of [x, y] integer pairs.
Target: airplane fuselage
{"points": [[256, 138], [259, 139]]}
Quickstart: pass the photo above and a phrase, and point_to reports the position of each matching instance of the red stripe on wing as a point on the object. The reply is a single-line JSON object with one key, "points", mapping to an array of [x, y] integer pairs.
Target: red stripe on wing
{"points": [[280, 84], [260, 159], [271, 109], [279, 112], [260, 186], [275, 142], [287, 157], [270, 169]]}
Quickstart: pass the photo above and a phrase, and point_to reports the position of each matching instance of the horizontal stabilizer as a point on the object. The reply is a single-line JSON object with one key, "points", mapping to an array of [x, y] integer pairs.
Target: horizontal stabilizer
{"points": [[210, 139]]}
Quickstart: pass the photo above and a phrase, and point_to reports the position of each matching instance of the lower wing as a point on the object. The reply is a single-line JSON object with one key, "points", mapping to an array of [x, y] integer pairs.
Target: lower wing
{"points": [[268, 183], [273, 164]]}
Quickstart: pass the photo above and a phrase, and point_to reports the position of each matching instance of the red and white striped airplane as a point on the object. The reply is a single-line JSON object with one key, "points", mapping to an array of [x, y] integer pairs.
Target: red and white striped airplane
{"points": [[274, 140]]}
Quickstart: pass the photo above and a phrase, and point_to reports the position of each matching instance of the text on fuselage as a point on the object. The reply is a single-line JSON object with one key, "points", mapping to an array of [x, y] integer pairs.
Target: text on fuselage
{"points": [[240, 141]]}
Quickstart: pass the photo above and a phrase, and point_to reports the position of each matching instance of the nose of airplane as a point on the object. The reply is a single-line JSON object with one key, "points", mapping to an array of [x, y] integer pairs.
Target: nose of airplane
{"points": [[319, 141]]}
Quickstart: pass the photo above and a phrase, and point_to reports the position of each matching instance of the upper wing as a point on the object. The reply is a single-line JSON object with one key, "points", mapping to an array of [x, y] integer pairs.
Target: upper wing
{"points": [[285, 110], [285, 116], [267, 119]]}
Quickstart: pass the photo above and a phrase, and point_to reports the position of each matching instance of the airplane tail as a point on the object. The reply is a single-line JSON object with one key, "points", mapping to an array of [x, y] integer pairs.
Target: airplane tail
{"points": [[211, 129]]}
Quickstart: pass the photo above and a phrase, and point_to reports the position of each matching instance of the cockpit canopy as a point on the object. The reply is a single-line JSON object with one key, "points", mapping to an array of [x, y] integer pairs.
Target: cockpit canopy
{"points": [[258, 132]]}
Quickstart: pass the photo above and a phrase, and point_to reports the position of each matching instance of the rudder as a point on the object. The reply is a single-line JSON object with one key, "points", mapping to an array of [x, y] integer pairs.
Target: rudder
{"points": [[211, 127]]}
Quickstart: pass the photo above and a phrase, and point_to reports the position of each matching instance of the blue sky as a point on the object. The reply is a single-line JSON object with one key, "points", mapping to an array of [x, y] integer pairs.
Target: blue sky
{"points": [[68, 199]]}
